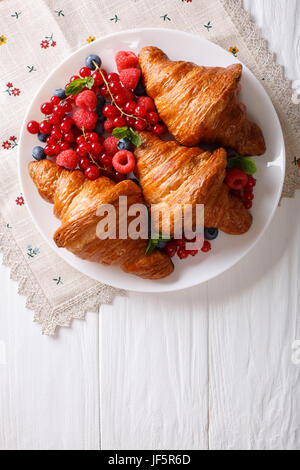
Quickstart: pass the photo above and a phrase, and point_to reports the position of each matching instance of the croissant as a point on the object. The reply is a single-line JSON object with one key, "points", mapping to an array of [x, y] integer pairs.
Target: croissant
{"points": [[76, 201], [172, 174], [200, 104]]}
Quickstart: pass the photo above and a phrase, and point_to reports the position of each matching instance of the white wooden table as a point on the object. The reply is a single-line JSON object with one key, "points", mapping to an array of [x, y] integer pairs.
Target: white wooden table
{"points": [[210, 367]]}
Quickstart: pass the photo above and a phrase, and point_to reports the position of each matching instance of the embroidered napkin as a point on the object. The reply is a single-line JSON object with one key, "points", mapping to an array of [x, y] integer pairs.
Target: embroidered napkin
{"points": [[34, 38]]}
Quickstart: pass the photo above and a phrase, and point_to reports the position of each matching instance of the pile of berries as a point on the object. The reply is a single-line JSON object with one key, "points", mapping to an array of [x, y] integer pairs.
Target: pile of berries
{"points": [[241, 185], [77, 128], [179, 247]]}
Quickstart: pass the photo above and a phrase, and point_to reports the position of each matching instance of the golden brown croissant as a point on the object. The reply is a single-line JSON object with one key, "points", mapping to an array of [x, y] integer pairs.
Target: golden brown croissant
{"points": [[200, 104], [76, 201], [171, 174]]}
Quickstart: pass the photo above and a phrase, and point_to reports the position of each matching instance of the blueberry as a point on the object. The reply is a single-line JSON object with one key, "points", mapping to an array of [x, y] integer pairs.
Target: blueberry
{"points": [[140, 89], [60, 92], [125, 144], [38, 153], [99, 129], [42, 137], [161, 244], [211, 233], [93, 58], [101, 103]]}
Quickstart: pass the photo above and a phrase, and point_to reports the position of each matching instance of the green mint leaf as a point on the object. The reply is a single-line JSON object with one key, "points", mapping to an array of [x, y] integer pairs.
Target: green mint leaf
{"points": [[120, 132], [89, 81], [244, 163], [76, 87], [152, 244], [134, 138]]}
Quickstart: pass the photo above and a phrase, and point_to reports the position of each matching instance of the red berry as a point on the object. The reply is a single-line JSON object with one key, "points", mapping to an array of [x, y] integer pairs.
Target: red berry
{"points": [[80, 140], [126, 60], [50, 140], [109, 125], [206, 246], [248, 204], [83, 149], [248, 195], [73, 78], [55, 133], [55, 100], [182, 254], [67, 159], [87, 100], [130, 78], [111, 145], [124, 162], [55, 149], [59, 111], [33, 127], [45, 127], [171, 248], [236, 178], [96, 149], [85, 72], [110, 111], [104, 92], [153, 118], [147, 103], [84, 163], [129, 107], [113, 77], [193, 252], [140, 111], [69, 137], [120, 99], [47, 150], [180, 243], [65, 126], [119, 121], [140, 125], [67, 107], [47, 108], [92, 173], [159, 129], [64, 146], [118, 177], [98, 79], [115, 87], [129, 95], [251, 182], [85, 119], [130, 121], [53, 119], [106, 161], [92, 137]]}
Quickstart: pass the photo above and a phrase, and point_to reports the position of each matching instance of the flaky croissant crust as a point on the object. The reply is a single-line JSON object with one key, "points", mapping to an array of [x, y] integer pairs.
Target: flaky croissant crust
{"points": [[76, 201], [171, 174], [200, 104]]}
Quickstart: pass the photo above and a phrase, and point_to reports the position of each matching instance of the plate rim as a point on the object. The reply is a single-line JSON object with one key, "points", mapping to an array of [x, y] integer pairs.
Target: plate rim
{"points": [[171, 287]]}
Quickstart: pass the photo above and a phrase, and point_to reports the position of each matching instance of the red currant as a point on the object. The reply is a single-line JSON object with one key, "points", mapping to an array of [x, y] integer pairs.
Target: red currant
{"points": [[55, 100], [113, 77], [251, 183], [67, 107], [182, 254], [55, 149], [33, 127], [64, 146], [106, 161], [119, 122], [59, 111], [120, 99], [69, 137], [65, 126], [98, 80], [140, 125], [96, 149], [103, 91], [248, 204], [153, 118], [47, 108], [118, 177], [50, 140], [73, 78], [47, 150], [45, 127], [85, 72], [92, 173], [92, 137], [110, 111], [53, 119], [56, 134], [84, 163], [130, 121], [171, 248], [83, 149], [140, 111], [115, 87], [80, 140], [248, 195], [159, 129], [130, 107], [206, 246]]}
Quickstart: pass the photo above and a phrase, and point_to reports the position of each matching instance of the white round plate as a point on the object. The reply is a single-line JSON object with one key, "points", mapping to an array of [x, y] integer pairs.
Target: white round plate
{"points": [[226, 250]]}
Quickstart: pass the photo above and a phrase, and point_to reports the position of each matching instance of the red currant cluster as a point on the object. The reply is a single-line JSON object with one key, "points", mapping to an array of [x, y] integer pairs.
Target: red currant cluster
{"points": [[179, 247], [241, 185]]}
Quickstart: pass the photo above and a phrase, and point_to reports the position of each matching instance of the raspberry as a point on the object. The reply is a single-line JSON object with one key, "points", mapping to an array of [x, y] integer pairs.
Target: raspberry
{"points": [[109, 125], [130, 78], [147, 103], [126, 60], [87, 100], [111, 145], [68, 159], [128, 95], [124, 162], [86, 119]]}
